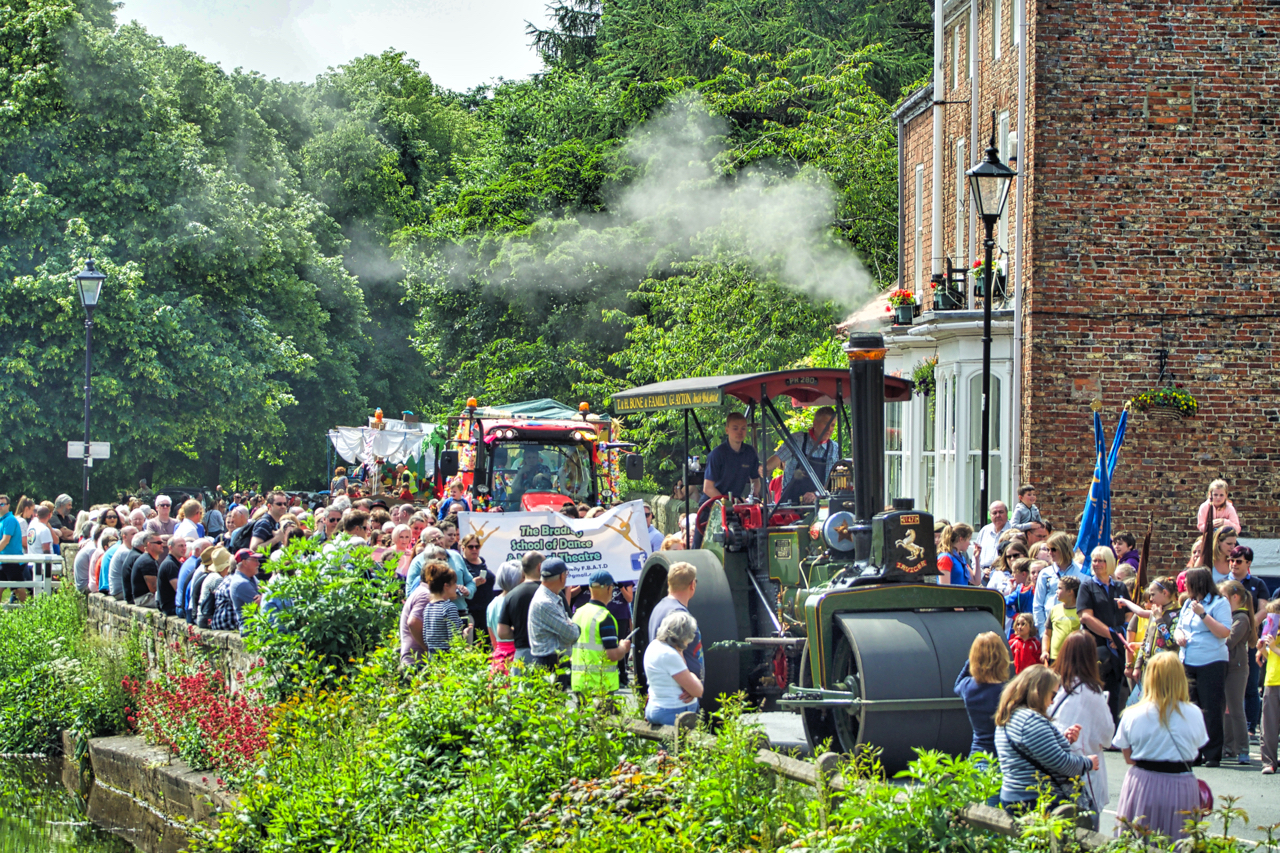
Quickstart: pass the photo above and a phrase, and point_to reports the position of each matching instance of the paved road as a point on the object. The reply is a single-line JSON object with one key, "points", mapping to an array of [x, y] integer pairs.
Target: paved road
{"points": [[1259, 795]]}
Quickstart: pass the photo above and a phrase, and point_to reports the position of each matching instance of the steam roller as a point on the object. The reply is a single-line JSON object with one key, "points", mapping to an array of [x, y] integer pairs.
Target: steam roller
{"points": [[830, 608]]}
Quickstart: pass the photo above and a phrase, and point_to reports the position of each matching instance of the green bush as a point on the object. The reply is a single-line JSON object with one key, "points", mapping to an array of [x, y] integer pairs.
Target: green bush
{"points": [[324, 612], [54, 676]]}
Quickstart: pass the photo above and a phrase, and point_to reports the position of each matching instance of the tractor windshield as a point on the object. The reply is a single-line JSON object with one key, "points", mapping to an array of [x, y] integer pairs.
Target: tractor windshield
{"points": [[523, 467]]}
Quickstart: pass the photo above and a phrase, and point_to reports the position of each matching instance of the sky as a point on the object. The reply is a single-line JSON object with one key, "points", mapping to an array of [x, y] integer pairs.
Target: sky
{"points": [[459, 44]]}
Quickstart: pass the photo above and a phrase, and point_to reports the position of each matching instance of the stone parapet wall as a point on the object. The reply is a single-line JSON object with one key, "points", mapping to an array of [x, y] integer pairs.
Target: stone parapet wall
{"points": [[167, 638]]}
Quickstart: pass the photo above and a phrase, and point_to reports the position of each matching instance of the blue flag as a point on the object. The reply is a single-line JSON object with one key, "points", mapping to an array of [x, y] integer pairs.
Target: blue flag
{"points": [[1097, 508]]}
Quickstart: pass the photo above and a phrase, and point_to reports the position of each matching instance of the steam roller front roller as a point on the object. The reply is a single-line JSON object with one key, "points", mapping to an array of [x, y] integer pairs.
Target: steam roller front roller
{"points": [[718, 607], [901, 668]]}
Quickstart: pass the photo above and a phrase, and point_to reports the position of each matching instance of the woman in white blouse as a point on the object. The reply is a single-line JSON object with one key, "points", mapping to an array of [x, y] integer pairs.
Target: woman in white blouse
{"points": [[1160, 736]]}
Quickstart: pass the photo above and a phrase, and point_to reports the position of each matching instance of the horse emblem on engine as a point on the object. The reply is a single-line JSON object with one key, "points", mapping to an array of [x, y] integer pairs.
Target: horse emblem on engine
{"points": [[908, 542]]}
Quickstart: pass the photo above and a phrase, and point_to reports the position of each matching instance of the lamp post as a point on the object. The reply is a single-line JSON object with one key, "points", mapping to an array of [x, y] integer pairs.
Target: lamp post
{"points": [[989, 182], [89, 285]]}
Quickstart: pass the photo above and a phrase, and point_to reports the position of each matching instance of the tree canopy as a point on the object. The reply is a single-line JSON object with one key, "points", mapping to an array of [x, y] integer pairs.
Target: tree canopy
{"points": [[684, 188]]}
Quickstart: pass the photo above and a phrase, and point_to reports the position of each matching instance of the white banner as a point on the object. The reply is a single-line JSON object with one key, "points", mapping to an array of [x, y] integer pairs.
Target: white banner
{"points": [[617, 541]]}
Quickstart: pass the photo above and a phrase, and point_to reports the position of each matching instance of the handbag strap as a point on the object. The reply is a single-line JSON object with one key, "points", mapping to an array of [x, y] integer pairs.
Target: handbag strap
{"points": [[1054, 778]]}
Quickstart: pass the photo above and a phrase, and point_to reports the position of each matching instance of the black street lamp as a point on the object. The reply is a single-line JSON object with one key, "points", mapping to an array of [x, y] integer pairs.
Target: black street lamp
{"points": [[89, 284], [989, 182]]}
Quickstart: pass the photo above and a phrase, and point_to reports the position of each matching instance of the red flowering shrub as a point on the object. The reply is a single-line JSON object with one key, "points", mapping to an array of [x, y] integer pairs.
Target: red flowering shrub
{"points": [[199, 720]]}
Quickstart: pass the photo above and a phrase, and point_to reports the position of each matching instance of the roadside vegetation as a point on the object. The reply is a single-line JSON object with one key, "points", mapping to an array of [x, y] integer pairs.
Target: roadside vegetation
{"points": [[458, 758]]}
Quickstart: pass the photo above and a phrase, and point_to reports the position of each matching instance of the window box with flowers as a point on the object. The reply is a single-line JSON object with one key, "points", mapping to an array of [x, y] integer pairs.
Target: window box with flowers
{"points": [[946, 297], [1168, 402], [979, 274], [902, 303]]}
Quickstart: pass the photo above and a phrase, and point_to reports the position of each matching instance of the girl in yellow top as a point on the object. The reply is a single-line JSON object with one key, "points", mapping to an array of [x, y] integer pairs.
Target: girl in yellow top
{"points": [[1269, 657]]}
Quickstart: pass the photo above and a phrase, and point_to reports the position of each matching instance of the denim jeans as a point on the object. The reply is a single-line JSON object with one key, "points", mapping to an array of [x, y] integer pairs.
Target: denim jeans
{"points": [[667, 716]]}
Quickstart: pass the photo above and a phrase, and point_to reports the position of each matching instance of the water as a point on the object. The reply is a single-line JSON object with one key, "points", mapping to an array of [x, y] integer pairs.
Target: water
{"points": [[39, 813]]}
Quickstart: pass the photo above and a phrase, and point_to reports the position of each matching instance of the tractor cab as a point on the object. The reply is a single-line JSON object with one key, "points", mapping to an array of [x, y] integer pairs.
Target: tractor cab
{"points": [[537, 455]]}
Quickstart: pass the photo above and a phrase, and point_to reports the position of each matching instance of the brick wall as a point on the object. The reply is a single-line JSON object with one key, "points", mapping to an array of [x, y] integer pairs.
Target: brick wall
{"points": [[1156, 226], [167, 638], [917, 151]]}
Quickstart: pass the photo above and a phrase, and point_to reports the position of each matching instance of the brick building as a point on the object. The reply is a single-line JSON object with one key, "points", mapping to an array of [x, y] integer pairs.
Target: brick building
{"points": [[1143, 230]]}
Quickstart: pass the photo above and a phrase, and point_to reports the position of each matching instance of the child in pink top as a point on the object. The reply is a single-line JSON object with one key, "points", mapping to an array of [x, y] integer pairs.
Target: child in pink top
{"points": [[1224, 512]]}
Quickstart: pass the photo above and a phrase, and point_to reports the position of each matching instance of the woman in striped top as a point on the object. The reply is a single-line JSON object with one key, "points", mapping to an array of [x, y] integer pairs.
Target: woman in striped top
{"points": [[1031, 749], [440, 620]]}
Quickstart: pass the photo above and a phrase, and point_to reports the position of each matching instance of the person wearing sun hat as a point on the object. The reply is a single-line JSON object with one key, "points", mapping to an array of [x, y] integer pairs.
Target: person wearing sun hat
{"points": [[214, 565], [597, 651], [239, 589]]}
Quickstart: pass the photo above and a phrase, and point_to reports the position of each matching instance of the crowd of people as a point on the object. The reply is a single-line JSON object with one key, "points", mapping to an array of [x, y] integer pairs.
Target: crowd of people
{"points": [[1086, 660], [1169, 674], [207, 562]]}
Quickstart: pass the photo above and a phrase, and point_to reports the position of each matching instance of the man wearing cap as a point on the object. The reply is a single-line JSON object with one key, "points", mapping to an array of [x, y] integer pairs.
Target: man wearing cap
{"points": [[240, 588], [1241, 562], [215, 562], [551, 631], [596, 653]]}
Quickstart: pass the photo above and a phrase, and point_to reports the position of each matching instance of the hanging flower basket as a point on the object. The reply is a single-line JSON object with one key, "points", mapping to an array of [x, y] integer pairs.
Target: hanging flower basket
{"points": [[923, 376], [1170, 402]]}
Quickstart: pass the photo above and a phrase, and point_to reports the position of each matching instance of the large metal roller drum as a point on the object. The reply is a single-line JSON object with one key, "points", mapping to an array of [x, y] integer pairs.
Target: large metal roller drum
{"points": [[885, 657], [712, 605]]}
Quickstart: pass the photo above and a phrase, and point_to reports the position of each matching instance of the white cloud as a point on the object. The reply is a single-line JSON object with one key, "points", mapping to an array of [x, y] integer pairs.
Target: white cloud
{"points": [[458, 43]]}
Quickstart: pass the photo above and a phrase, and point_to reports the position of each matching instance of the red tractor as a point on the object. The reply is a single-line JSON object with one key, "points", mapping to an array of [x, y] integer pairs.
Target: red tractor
{"points": [[537, 455]]}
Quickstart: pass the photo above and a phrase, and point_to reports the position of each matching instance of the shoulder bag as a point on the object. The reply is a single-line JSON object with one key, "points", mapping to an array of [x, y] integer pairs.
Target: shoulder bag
{"points": [[1082, 804]]}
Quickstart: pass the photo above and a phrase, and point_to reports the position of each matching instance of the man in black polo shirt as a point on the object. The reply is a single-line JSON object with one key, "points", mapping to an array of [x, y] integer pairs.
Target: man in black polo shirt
{"points": [[267, 528], [513, 621], [733, 468], [1099, 615]]}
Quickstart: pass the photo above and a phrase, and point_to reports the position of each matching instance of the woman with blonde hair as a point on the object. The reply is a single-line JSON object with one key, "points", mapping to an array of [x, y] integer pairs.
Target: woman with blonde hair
{"points": [[1031, 749], [1218, 556], [979, 684], [1160, 735], [1059, 546], [953, 565]]}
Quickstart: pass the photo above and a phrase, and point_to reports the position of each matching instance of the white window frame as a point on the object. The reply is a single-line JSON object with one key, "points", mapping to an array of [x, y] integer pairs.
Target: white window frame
{"points": [[955, 56], [972, 55], [903, 456], [1003, 141], [997, 30], [962, 205], [917, 266], [1017, 22]]}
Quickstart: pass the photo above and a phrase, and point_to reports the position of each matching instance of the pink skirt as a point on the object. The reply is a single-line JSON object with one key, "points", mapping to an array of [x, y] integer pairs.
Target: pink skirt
{"points": [[1158, 801]]}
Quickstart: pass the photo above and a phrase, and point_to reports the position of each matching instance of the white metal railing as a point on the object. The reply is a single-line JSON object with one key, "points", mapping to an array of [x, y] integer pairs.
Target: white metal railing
{"points": [[47, 572]]}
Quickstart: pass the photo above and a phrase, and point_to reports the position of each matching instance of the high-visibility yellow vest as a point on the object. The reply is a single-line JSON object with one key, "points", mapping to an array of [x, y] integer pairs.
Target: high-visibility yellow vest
{"points": [[591, 668]]}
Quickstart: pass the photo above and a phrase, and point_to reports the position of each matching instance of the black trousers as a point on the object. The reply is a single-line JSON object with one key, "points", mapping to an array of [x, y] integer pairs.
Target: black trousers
{"points": [[1209, 691], [1111, 669]]}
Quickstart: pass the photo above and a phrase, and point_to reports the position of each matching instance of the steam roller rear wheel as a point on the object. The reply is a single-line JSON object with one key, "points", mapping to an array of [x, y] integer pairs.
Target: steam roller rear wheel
{"points": [[819, 724], [904, 655], [712, 606]]}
